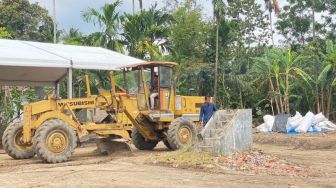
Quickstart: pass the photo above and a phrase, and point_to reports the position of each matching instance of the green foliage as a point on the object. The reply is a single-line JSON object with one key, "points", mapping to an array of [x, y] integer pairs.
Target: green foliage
{"points": [[109, 22], [146, 32], [298, 21], [12, 100], [4, 34], [188, 38], [73, 37], [26, 21]]}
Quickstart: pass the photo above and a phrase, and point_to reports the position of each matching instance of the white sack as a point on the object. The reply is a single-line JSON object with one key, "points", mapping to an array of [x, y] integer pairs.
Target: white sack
{"points": [[316, 128], [326, 126], [310, 129], [319, 118], [306, 123], [330, 124], [262, 128], [293, 122], [269, 121]]}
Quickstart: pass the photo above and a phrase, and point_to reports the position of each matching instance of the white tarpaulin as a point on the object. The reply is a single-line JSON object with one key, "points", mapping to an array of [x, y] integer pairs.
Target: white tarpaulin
{"points": [[23, 62]]}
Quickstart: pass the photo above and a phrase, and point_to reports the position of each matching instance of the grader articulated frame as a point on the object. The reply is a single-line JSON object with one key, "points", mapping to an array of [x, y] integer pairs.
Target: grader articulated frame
{"points": [[52, 130]]}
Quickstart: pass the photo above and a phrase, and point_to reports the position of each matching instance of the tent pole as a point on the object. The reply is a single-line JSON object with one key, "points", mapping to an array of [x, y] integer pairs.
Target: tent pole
{"points": [[70, 83]]}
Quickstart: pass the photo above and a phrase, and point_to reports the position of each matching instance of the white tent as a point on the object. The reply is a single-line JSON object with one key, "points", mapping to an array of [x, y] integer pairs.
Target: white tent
{"points": [[36, 63]]}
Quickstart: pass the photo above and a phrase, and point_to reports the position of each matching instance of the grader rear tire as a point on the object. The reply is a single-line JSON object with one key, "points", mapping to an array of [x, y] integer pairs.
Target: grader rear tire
{"points": [[2, 130], [55, 141], [140, 142], [181, 133], [13, 144]]}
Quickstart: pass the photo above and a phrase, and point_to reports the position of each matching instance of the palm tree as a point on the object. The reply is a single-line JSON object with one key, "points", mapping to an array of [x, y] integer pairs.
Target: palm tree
{"points": [[146, 32], [327, 77], [73, 37], [140, 4], [109, 22], [270, 5], [217, 9]]}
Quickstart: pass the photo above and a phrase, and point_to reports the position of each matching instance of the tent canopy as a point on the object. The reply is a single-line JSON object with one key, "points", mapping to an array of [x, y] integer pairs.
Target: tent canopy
{"points": [[36, 63]]}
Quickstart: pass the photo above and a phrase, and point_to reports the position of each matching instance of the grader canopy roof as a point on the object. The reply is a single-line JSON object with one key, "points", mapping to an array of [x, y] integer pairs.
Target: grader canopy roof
{"points": [[36, 63]]}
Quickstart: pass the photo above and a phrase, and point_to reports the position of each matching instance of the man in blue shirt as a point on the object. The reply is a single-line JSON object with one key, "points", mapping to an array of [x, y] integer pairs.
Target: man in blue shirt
{"points": [[207, 109]]}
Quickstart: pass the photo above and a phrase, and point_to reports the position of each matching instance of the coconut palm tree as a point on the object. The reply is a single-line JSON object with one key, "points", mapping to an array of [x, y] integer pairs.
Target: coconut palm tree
{"points": [[146, 32], [73, 37], [108, 20]]}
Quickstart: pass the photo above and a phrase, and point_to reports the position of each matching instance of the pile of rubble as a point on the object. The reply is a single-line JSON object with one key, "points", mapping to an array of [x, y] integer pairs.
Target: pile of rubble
{"points": [[296, 124], [258, 162]]}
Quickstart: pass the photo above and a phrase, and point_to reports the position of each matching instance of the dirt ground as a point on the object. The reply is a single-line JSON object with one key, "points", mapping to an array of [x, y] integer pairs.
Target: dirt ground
{"points": [[89, 169]]}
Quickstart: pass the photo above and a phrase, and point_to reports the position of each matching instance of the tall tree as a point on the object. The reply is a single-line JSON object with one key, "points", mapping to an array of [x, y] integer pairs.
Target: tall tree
{"points": [[140, 5], [73, 37], [298, 24], [327, 76], [109, 22], [188, 40], [146, 32], [270, 6], [26, 21], [218, 7]]}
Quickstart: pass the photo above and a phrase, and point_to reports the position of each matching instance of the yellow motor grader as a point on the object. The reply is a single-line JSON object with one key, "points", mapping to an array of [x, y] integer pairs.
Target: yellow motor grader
{"points": [[52, 130]]}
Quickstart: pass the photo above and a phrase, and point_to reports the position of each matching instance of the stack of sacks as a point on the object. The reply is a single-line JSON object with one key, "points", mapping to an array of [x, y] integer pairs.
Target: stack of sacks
{"points": [[300, 124]]}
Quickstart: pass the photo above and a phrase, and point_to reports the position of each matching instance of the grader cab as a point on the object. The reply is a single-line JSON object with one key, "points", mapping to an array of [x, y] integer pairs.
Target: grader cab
{"points": [[51, 128]]}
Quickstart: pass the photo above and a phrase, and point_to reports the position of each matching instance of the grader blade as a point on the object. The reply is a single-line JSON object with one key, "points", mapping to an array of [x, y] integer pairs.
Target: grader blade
{"points": [[108, 146]]}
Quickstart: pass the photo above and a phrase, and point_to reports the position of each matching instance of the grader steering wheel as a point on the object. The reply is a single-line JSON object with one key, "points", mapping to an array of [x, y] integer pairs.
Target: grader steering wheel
{"points": [[102, 102]]}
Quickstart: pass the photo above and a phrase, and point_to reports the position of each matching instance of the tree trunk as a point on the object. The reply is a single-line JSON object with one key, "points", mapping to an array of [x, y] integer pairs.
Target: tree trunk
{"points": [[329, 104], [313, 20], [287, 93], [317, 99], [241, 98], [140, 4], [275, 97], [279, 93], [216, 61], [271, 26], [322, 101], [223, 85]]}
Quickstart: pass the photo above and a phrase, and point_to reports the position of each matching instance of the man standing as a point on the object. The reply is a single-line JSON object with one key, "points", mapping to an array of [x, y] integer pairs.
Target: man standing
{"points": [[207, 109], [155, 90]]}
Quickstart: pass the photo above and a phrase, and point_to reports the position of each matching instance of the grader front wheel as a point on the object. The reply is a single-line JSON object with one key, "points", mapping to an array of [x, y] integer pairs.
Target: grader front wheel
{"points": [[55, 141], [13, 143], [181, 133], [140, 142]]}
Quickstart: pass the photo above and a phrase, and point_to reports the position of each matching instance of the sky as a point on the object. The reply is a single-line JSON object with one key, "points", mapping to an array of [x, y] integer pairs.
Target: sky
{"points": [[69, 12]]}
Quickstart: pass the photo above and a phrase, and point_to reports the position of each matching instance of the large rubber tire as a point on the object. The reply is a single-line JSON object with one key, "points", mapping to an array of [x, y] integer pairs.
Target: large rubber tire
{"points": [[13, 145], [140, 142], [2, 130], [55, 141], [166, 143], [180, 127]]}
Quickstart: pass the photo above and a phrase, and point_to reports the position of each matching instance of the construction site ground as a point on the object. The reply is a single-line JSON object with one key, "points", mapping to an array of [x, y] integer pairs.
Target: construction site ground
{"points": [[89, 169]]}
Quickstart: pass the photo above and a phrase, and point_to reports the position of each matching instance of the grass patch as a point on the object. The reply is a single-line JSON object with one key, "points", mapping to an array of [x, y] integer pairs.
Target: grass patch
{"points": [[185, 158]]}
